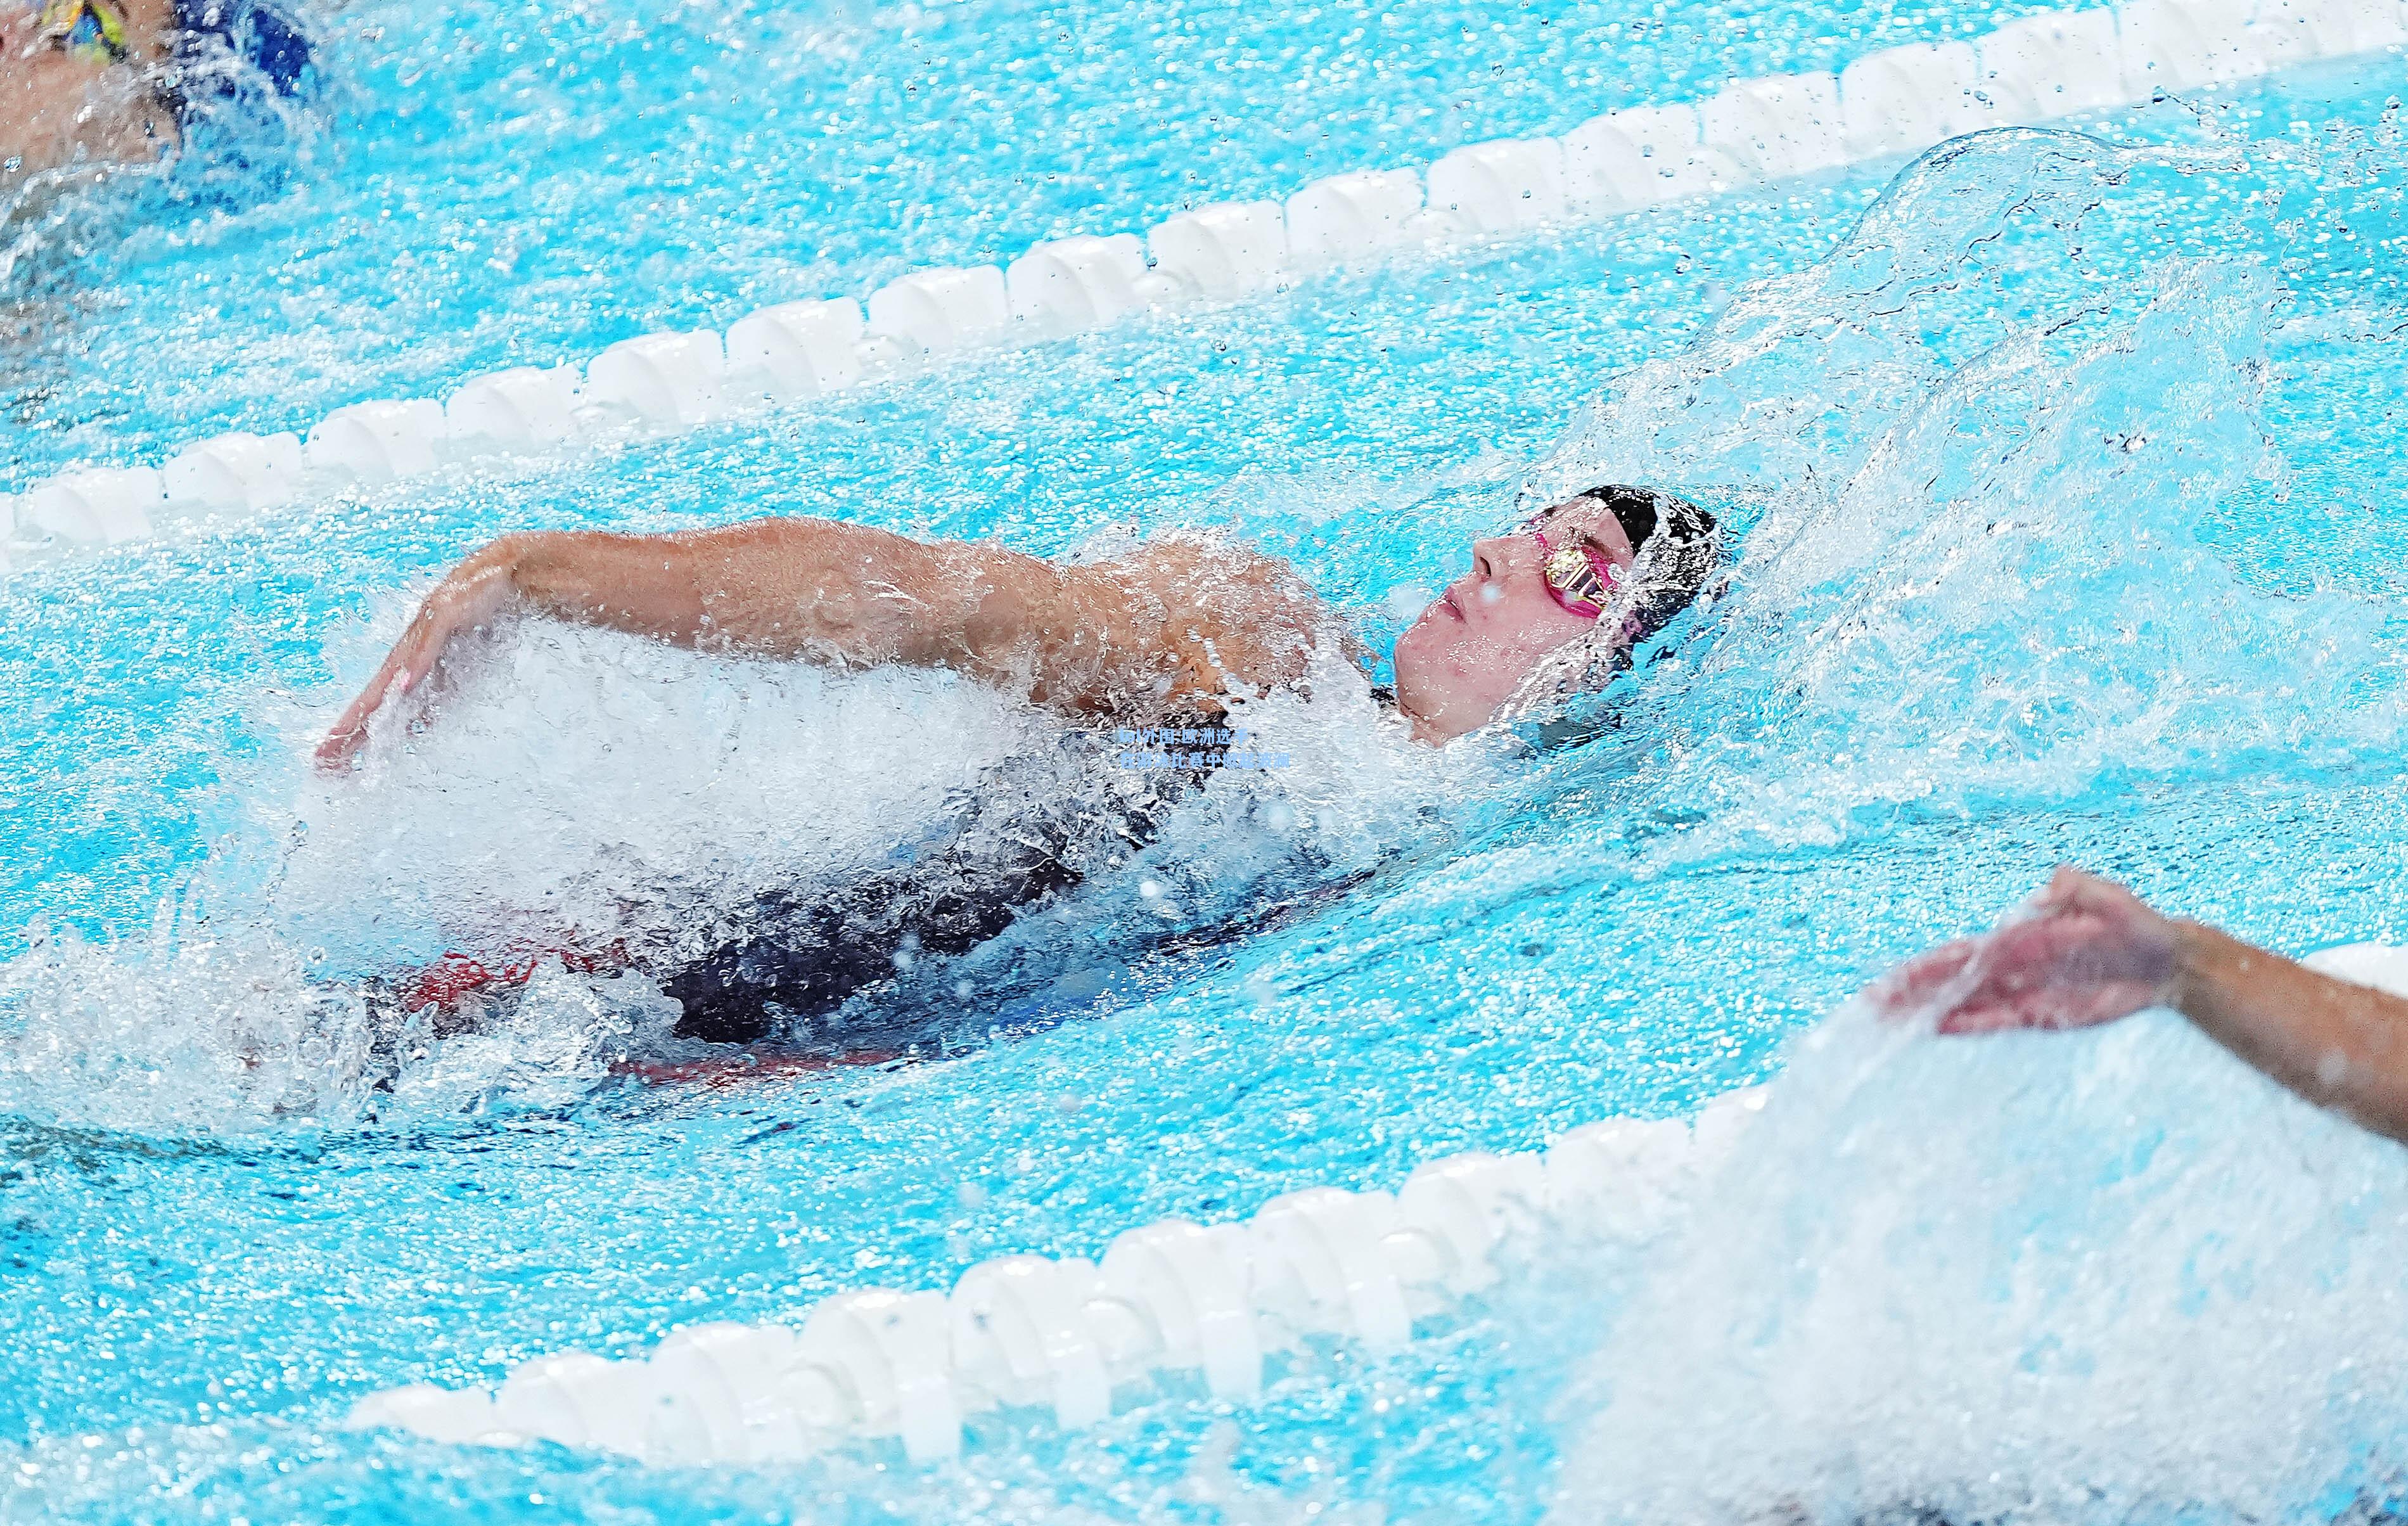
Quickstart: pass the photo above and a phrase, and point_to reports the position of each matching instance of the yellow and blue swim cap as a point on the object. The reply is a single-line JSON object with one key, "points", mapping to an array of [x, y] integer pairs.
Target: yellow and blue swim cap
{"points": [[92, 29]]}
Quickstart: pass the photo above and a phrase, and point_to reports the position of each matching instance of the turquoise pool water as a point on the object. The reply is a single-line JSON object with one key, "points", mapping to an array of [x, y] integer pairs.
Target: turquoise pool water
{"points": [[2072, 536], [451, 219]]}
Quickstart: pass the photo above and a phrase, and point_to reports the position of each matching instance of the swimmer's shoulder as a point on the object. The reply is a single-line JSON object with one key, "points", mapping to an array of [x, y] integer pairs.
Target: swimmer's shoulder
{"points": [[1192, 565], [1231, 618]]}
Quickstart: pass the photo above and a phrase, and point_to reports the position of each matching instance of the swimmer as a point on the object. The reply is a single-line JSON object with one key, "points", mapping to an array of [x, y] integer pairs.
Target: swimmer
{"points": [[1176, 630], [97, 82], [2084, 951], [1174, 634]]}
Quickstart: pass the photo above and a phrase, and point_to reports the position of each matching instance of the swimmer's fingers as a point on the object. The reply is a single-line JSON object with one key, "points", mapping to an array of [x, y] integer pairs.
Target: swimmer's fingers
{"points": [[2059, 970], [342, 741], [2083, 951], [2048, 1009], [404, 671], [350, 732], [2070, 890], [1914, 987]]}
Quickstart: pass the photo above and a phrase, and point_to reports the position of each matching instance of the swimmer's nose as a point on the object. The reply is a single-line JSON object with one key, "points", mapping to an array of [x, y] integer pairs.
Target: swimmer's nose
{"points": [[1492, 558]]}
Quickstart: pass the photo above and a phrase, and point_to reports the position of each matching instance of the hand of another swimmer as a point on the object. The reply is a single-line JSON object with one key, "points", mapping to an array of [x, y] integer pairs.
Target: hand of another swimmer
{"points": [[2081, 952], [472, 596]]}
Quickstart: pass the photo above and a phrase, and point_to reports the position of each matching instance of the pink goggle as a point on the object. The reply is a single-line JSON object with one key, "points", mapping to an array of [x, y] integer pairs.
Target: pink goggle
{"points": [[1577, 575]]}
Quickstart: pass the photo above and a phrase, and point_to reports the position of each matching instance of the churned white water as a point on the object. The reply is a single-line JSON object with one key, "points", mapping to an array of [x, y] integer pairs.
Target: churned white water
{"points": [[577, 771], [2100, 1276], [1974, 570]]}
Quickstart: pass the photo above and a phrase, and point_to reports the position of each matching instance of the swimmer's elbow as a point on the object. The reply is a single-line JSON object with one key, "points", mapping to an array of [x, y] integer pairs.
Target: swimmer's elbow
{"points": [[521, 560], [642, 584], [507, 554]]}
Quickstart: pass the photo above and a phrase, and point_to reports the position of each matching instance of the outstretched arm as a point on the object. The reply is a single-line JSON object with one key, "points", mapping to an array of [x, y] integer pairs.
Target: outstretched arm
{"points": [[2085, 951], [1167, 625]]}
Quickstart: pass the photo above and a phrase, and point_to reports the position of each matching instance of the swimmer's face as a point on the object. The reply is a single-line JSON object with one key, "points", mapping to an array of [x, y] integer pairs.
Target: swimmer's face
{"points": [[1465, 655]]}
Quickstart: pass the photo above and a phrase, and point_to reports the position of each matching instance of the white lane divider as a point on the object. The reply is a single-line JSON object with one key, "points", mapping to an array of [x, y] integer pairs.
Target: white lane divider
{"points": [[1354, 217], [800, 349], [1897, 101], [671, 382], [252, 472], [1029, 1332], [2054, 64], [1625, 160], [99, 505], [1906, 97], [1777, 127], [1501, 186], [1071, 284], [1222, 251], [934, 312], [379, 441], [517, 411]]}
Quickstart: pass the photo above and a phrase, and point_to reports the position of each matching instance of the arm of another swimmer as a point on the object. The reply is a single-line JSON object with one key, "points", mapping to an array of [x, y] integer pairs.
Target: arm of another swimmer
{"points": [[2339, 1044], [2088, 952], [845, 595]]}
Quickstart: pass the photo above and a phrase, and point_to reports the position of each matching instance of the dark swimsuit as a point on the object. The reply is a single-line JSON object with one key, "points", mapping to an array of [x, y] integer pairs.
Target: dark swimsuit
{"points": [[1015, 843], [781, 962]]}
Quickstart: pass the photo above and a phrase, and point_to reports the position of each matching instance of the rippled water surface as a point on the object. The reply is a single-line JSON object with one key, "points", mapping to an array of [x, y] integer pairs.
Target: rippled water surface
{"points": [[500, 184], [2068, 477]]}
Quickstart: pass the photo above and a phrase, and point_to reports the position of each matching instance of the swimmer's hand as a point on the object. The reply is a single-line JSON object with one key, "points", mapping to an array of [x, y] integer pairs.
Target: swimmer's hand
{"points": [[468, 600], [2079, 953]]}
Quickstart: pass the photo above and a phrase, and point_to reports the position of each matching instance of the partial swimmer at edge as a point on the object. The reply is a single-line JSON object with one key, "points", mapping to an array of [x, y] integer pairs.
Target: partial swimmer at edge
{"points": [[1178, 633], [2084, 951], [101, 82]]}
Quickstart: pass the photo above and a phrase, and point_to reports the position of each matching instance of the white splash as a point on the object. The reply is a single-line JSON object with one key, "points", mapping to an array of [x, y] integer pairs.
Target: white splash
{"points": [[1974, 570], [574, 775], [2044, 1278]]}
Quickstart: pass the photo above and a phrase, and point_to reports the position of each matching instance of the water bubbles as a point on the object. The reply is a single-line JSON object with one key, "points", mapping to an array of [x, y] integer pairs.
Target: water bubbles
{"points": [[525, 822], [1971, 564]]}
